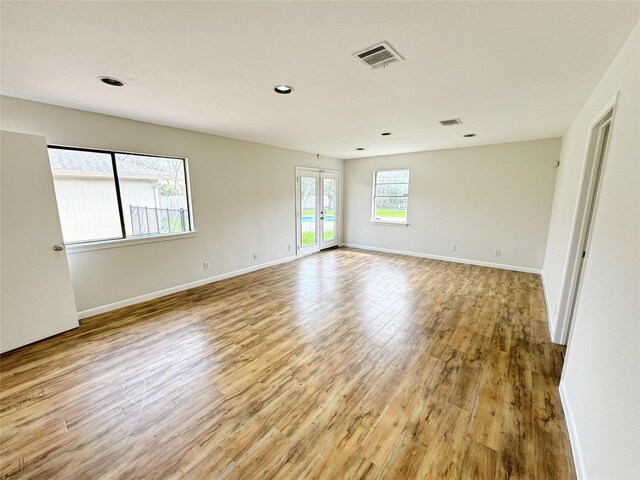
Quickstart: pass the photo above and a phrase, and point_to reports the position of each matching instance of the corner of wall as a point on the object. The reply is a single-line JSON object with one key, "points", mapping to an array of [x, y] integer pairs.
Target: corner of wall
{"points": [[551, 319], [574, 440]]}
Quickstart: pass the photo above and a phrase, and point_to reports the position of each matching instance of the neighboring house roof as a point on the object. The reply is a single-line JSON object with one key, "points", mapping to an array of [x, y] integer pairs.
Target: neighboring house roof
{"points": [[82, 163]]}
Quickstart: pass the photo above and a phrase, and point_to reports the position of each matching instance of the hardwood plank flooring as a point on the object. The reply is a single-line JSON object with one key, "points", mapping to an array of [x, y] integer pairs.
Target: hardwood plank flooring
{"points": [[344, 364]]}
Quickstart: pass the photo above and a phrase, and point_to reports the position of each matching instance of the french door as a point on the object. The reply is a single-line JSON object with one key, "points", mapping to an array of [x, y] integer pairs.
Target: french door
{"points": [[317, 209]]}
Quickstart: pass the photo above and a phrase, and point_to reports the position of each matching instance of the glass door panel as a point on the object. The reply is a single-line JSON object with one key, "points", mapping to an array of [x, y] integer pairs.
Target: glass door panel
{"points": [[307, 211], [308, 214], [329, 210]]}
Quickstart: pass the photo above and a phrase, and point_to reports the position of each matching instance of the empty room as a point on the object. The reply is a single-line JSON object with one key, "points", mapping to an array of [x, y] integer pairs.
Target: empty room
{"points": [[320, 240]]}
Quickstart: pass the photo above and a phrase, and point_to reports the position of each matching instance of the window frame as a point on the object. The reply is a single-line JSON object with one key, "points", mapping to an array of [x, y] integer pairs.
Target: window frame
{"points": [[87, 245], [374, 219]]}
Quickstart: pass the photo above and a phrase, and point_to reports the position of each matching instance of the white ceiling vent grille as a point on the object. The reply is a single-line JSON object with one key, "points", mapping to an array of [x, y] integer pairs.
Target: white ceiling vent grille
{"points": [[378, 56], [452, 122]]}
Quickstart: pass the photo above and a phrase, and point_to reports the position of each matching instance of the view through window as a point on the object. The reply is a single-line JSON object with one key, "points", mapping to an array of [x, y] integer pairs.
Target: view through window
{"points": [[142, 196], [390, 196]]}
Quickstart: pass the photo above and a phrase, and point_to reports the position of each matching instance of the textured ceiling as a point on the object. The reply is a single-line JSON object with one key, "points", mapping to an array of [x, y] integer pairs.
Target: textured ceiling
{"points": [[510, 70]]}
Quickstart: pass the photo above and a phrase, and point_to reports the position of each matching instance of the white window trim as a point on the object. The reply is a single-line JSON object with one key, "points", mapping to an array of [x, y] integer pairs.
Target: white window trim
{"points": [[403, 223], [388, 223], [125, 242]]}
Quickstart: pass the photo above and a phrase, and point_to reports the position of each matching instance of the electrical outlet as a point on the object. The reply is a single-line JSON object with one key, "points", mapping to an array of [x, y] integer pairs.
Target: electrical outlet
{"points": [[496, 253], [453, 247], [206, 265], [255, 256]]}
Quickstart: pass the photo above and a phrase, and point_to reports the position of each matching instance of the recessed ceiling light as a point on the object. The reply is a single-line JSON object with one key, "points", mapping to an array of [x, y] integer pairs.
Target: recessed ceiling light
{"points": [[113, 82], [359, 148], [283, 89], [470, 135], [385, 134]]}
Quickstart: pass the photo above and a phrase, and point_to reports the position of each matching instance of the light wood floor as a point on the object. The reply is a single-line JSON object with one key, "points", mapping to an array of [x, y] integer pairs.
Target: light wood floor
{"points": [[345, 364]]}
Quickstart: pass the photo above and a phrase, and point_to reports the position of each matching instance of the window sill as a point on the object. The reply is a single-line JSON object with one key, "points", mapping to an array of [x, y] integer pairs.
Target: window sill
{"points": [[125, 242], [393, 224]]}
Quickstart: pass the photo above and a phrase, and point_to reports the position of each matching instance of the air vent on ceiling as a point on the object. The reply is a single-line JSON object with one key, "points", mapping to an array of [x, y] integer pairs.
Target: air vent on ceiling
{"points": [[379, 55], [450, 123]]}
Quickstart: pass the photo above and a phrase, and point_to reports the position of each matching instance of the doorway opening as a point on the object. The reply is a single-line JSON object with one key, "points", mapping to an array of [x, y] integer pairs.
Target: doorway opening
{"points": [[317, 209], [579, 247]]}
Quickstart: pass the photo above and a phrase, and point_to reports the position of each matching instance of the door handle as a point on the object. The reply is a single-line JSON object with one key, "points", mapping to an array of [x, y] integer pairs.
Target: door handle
{"points": [[58, 247]]}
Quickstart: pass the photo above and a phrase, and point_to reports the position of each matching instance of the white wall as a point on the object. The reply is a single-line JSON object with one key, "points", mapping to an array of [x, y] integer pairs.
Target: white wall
{"points": [[601, 377], [479, 198], [243, 201]]}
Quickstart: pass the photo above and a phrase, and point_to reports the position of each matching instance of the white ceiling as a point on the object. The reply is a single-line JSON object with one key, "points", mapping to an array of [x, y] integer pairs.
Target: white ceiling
{"points": [[510, 70]]}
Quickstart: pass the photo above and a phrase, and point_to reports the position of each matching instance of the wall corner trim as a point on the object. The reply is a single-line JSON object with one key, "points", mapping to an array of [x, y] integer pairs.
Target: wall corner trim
{"points": [[550, 320], [466, 261], [578, 459], [179, 288]]}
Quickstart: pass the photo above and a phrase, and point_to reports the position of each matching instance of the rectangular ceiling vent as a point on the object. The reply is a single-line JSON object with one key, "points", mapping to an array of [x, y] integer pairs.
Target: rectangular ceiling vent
{"points": [[378, 56], [450, 123]]}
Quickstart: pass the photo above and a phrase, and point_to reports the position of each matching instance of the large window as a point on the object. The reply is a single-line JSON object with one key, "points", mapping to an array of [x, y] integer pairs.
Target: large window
{"points": [[390, 196], [106, 195]]}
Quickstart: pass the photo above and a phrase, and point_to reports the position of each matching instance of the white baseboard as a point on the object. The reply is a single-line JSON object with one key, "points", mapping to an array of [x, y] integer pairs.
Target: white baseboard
{"points": [[178, 288], [479, 263], [578, 459], [550, 318]]}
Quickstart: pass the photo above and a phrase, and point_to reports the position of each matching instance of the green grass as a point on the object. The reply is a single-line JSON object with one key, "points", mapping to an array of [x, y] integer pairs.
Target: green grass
{"points": [[386, 213], [309, 238]]}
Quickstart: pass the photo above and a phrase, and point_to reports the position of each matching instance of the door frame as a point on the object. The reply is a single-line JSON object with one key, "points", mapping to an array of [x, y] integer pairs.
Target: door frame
{"points": [[338, 210], [589, 188]]}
